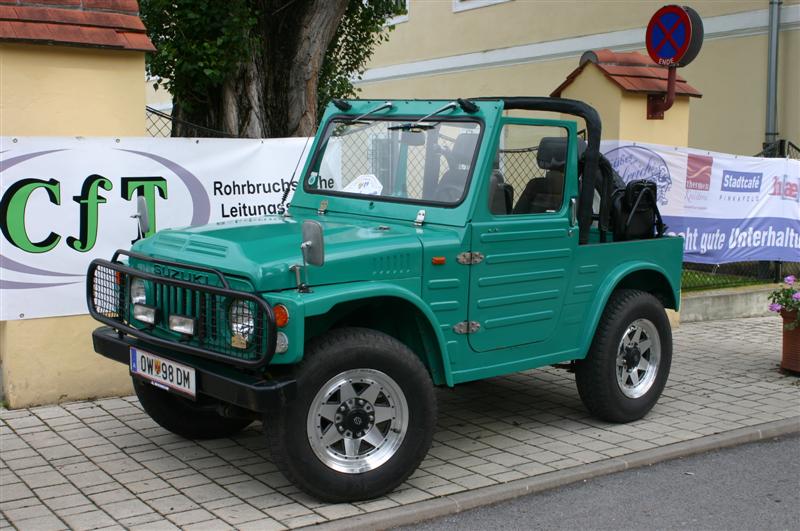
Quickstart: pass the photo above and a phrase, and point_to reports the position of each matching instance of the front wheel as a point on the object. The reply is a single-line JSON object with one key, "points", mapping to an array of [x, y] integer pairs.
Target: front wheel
{"points": [[362, 421], [627, 367]]}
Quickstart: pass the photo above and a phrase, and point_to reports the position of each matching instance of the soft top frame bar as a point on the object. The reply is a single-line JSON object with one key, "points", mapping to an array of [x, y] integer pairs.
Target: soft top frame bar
{"points": [[592, 156]]}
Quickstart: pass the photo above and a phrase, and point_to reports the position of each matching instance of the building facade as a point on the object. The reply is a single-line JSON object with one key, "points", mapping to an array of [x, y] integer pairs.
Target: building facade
{"points": [[67, 68], [463, 48]]}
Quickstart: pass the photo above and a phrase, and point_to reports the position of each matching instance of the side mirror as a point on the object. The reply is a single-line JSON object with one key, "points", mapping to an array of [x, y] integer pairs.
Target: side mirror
{"points": [[313, 245], [142, 216]]}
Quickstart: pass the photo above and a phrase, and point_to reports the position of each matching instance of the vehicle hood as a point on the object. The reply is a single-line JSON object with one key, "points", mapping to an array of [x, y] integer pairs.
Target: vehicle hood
{"points": [[262, 250]]}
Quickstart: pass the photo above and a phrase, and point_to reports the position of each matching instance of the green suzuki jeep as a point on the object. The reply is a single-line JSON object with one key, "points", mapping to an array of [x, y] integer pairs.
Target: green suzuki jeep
{"points": [[427, 243]]}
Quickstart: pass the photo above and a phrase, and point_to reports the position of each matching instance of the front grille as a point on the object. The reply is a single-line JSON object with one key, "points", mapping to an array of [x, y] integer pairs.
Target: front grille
{"points": [[214, 309]]}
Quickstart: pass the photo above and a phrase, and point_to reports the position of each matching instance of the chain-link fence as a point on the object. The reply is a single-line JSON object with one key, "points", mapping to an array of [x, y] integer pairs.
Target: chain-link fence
{"points": [[159, 124], [707, 276], [792, 151], [375, 150], [518, 166]]}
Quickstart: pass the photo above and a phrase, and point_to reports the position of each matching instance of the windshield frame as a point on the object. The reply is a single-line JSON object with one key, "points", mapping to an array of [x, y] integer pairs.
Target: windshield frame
{"points": [[339, 117]]}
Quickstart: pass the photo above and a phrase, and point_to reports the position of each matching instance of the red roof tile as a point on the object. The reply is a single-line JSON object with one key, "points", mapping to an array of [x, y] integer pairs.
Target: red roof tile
{"points": [[630, 71], [100, 23], [80, 18], [131, 6]]}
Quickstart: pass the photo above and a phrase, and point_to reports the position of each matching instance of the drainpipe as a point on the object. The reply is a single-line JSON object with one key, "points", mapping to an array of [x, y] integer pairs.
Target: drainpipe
{"points": [[771, 136], [771, 147]]}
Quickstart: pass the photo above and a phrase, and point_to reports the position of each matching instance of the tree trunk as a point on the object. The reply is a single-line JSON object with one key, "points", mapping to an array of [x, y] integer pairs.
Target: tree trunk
{"points": [[273, 93]]}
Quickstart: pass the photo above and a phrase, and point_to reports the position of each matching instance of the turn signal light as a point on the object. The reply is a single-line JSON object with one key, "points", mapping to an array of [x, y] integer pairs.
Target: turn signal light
{"points": [[438, 260], [281, 315]]}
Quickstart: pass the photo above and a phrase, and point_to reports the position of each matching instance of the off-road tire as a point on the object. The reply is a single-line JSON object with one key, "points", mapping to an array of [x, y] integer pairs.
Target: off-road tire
{"points": [[184, 417], [334, 353], [596, 376]]}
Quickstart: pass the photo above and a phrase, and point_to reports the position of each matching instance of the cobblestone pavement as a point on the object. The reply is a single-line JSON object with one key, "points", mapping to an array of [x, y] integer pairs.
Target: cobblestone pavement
{"points": [[105, 464]]}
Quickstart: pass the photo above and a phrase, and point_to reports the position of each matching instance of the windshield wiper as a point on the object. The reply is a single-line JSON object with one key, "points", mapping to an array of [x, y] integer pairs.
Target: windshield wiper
{"points": [[420, 124], [385, 105], [416, 127]]}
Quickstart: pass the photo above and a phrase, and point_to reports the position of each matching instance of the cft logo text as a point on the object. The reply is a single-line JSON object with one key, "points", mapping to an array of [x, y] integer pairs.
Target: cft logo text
{"points": [[15, 201]]}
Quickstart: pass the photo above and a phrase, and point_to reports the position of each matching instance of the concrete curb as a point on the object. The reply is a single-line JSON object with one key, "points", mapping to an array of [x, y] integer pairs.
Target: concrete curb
{"points": [[728, 303], [462, 501]]}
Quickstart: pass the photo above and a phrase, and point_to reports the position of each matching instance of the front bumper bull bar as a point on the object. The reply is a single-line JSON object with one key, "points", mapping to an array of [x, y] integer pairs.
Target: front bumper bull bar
{"points": [[107, 297], [216, 380]]}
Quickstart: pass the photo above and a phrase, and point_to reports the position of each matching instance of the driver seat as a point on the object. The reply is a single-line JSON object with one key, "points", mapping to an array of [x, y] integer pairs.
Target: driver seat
{"points": [[546, 194]]}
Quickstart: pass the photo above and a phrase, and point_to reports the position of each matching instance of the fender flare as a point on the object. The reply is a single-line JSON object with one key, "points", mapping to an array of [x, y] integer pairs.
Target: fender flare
{"points": [[604, 294], [323, 298]]}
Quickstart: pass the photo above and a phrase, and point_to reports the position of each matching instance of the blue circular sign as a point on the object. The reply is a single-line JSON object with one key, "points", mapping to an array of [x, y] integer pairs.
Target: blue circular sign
{"points": [[669, 35]]}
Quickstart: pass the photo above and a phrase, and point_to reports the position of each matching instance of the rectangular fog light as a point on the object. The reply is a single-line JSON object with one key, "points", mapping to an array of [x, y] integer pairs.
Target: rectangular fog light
{"points": [[145, 314], [181, 324]]}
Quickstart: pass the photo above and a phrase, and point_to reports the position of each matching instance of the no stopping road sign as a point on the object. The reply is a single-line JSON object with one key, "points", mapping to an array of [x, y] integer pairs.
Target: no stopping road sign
{"points": [[674, 35]]}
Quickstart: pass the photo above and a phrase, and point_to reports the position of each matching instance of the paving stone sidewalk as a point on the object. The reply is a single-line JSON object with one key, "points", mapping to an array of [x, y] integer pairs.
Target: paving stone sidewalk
{"points": [[105, 464]]}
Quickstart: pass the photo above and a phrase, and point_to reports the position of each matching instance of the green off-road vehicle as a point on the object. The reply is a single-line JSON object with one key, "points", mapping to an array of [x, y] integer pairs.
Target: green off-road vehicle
{"points": [[427, 243]]}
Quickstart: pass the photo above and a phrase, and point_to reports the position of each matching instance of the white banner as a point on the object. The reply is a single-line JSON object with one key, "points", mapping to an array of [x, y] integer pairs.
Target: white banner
{"points": [[728, 208], [66, 201]]}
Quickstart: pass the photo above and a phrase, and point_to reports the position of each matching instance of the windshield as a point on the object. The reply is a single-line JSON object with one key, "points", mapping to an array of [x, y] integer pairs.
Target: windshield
{"points": [[389, 159]]}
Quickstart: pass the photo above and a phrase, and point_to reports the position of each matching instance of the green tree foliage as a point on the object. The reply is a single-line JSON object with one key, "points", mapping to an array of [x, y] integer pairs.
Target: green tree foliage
{"points": [[361, 30], [206, 47], [199, 44]]}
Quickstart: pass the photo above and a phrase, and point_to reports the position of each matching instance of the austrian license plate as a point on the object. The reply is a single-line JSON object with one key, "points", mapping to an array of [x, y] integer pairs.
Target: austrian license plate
{"points": [[163, 373]]}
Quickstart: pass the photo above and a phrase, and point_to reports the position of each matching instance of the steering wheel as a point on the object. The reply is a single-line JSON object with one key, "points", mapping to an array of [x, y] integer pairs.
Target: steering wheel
{"points": [[448, 193]]}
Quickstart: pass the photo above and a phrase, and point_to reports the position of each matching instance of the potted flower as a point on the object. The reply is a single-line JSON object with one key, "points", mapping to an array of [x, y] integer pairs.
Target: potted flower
{"points": [[786, 301]]}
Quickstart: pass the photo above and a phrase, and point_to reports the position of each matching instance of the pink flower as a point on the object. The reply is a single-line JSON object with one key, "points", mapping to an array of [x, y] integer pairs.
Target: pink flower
{"points": [[790, 279], [775, 307], [796, 296]]}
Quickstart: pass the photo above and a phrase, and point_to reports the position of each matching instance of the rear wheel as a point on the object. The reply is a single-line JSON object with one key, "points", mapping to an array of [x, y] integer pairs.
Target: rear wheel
{"points": [[627, 367], [362, 421], [183, 417]]}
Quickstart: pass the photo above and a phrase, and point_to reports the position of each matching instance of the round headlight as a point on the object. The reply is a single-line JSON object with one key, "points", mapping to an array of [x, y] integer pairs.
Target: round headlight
{"points": [[138, 292], [241, 317]]}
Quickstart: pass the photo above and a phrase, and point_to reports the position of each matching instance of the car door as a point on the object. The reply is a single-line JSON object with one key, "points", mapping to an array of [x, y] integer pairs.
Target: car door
{"points": [[523, 246]]}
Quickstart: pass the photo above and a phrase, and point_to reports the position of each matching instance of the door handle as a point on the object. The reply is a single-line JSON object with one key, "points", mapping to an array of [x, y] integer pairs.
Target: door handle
{"points": [[573, 211]]}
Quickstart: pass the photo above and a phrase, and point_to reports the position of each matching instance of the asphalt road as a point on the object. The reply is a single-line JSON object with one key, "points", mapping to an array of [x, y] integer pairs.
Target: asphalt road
{"points": [[750, 487]]}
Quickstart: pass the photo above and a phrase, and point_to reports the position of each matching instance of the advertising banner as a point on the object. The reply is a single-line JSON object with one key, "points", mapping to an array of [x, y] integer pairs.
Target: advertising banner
{"points": [[727, 208], [66, 201]]}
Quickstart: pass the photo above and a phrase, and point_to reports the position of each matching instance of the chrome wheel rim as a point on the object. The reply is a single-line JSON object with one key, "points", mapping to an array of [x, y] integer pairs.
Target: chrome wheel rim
{"points": [[638, 358], [357, 421]]}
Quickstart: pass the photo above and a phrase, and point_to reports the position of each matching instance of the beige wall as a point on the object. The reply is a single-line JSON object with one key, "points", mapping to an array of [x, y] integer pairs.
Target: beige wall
{"points": [[64, 91], [433, 30], [624, 114], [156, 97], [673, 130], [532, 79], [52, 360], [598, 91], [730, 72]]}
